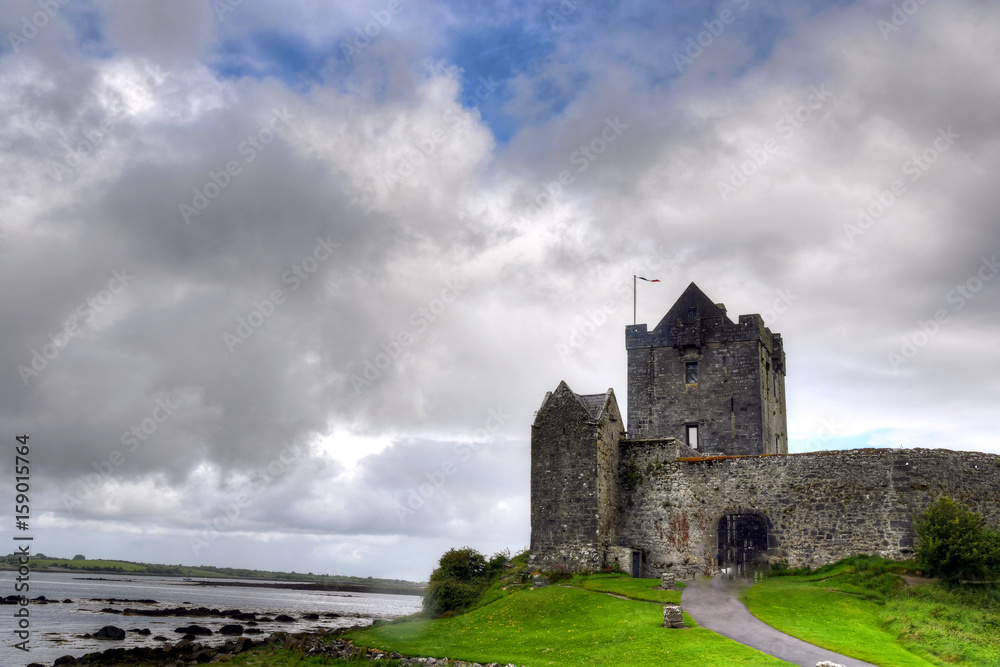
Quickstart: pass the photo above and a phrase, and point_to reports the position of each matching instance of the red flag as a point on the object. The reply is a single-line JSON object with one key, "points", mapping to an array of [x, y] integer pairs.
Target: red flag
{"points": [[649, 280]]}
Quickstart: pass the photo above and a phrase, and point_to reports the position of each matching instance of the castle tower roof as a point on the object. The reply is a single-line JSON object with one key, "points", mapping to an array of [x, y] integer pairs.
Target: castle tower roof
{"points": [[693, 302]]}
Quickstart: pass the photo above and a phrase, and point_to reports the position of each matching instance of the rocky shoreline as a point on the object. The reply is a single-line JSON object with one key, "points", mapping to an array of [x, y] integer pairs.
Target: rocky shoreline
{"points": [[188, 652]]}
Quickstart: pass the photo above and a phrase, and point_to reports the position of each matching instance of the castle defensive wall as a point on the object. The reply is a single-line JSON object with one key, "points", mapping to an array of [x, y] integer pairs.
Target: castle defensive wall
{"points": [[809, 509]]}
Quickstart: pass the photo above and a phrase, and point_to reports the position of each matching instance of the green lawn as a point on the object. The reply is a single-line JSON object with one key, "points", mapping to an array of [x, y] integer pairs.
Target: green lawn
{"points": [[861, 609], [559, 625], [623, 584], [842, 622]]}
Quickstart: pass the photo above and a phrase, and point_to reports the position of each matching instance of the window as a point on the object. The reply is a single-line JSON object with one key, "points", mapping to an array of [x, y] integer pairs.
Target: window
{"points": [[692, 436], [725, 362], [691, 372], [692, 315]]}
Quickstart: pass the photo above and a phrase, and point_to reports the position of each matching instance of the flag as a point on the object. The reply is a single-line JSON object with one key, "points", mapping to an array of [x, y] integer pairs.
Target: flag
{"points": [[649, 280]]}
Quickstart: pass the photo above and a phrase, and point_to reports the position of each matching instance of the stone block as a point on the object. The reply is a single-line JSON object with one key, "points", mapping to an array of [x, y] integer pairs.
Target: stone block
{"points": [[667, 581], [673, 616]]}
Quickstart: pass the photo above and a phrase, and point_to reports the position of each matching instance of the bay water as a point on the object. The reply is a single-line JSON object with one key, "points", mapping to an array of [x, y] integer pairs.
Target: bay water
{"points": [[57, 627]]}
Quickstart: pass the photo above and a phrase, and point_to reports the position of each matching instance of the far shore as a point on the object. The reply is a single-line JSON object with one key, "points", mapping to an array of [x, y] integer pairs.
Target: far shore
{"points": [[98, 575]]}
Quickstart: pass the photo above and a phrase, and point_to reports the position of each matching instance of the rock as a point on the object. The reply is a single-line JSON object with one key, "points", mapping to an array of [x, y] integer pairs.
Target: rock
{"points": [[65, 660], [538, 581], [109, 632], [284, 618], [253, 631], [673, 616], [231, 630], [194, 630], [160, 638], [667, 581], [311, 617], [67, 601], [243, 644], [203, 656]]}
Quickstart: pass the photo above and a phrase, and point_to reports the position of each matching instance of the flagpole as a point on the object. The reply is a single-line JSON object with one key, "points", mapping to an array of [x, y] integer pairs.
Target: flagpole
{"points": [[633, 299]]}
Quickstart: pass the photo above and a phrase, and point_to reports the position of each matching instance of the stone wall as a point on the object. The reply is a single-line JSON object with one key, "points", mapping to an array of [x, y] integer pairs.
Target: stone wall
{"points": [[610, 431], [574, 479], [820, 507]]}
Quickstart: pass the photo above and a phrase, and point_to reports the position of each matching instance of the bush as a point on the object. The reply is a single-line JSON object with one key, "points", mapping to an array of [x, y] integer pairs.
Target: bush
{"points": [[955, 544], [461, 578]]}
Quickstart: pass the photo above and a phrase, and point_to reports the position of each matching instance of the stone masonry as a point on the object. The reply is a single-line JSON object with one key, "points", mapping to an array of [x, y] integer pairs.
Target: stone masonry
{"points": [[698, 368], [647, 503]]}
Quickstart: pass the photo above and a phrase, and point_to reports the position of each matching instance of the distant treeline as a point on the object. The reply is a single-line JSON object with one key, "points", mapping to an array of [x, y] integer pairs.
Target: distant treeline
{"points": [[41, 560]]}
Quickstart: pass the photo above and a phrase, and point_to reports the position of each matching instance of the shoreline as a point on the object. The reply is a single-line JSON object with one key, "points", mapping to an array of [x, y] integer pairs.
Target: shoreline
{"points": [[223, 580]]}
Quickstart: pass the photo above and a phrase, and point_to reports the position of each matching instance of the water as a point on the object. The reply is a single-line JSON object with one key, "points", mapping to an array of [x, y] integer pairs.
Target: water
{"points": [[57, 628]]}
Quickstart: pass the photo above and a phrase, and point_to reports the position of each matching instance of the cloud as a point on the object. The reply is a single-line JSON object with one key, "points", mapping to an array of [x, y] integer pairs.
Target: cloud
{"points": [[370, 254]]}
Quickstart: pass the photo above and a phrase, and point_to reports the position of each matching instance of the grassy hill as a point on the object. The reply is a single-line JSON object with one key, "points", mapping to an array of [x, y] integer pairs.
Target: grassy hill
{"points": [[861, 607], [573, 623]]}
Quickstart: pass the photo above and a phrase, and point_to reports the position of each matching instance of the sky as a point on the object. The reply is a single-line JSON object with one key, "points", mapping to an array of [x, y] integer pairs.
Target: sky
{"points": [[287, 280]]}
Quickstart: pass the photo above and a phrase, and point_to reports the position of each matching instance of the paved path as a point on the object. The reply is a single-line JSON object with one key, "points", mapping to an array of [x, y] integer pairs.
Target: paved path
{"points": [[715, 604]]}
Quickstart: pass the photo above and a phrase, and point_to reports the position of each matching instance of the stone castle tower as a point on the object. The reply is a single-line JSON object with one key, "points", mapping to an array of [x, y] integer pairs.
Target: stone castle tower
{"points": [[715, 385], [701, 480]]}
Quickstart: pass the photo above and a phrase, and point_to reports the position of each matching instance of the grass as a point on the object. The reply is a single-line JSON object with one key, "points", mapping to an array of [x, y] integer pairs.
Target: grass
{"points": [[859, 607], [622, 584], [564, 625]]}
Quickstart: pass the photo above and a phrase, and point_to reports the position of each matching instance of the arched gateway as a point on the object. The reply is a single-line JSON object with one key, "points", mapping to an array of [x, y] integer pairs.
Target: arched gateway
{"points": [[743, 542]]}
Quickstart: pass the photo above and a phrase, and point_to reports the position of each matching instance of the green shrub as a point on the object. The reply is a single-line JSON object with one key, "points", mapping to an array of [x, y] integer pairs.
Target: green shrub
{"points": [[955, 544], [461, 578]]}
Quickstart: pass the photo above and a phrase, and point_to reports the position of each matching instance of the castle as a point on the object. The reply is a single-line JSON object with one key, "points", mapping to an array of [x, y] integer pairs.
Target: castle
{"points": [[702, 478]]}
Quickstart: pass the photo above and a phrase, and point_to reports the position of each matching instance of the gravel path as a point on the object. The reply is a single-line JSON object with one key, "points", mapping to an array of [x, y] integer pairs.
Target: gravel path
{"points": [[715, 604]]}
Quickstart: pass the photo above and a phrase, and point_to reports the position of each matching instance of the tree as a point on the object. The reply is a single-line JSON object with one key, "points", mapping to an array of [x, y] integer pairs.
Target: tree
{"points": [[955, 543], [79, 557]]}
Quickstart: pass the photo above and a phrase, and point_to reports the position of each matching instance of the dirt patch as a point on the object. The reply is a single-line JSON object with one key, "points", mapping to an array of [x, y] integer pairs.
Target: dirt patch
{"points": [[917, 581]]}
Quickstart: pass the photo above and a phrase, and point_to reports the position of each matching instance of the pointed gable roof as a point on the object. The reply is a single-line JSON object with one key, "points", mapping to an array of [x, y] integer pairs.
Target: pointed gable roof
{"points": [[594, 404], [694, 298]]}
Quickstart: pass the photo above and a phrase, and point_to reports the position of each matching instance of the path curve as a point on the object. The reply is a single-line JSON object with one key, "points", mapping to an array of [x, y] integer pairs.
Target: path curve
{"points": [[715, 604]]}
